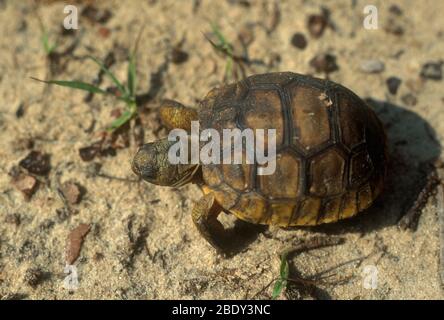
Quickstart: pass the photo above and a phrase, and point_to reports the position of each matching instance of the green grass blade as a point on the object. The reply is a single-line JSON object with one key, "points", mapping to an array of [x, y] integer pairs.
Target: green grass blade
{"points": [[278, 288], [46, 46], [285, 269], [119, 86], [45, 42], [52, 48], [224, 46], [218, 34], [124, 118], [74, 85], [132, 75]]}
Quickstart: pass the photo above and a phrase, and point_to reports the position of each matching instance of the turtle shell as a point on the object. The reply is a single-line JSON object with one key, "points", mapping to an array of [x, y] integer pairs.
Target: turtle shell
{"points": [[330, 150]]}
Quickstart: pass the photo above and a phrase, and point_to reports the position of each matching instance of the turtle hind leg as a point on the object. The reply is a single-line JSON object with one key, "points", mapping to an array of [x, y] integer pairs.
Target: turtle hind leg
{"points": [[175, 115], [204, 214]]}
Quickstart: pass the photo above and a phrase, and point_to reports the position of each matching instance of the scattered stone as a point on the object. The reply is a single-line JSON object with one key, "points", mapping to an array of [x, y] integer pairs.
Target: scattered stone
{"points": [[409, 99], [36, 163], [316, 24], [393, 84], [34, 276], [394, 27], [90, 152], [324, 63], [26, 184], [298, 40], [178, 56], [98, 256], [13, 218], [95, 15], [75, 241], [432, 70], [104, 32], [395, 9], [372, 66], [72, 192], [20, 112]]}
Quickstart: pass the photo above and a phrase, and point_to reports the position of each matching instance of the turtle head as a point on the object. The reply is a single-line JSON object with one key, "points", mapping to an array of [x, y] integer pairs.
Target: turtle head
{"points": [[151, 163]]}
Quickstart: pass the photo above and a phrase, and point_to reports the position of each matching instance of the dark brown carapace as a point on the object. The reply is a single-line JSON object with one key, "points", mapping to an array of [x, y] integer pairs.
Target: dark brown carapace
{"points": [[331, 150]]}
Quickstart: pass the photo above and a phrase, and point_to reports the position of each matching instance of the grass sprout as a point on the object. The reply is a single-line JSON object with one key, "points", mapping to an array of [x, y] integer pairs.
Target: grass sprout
{"points": [[282, 280], [126, 93], [226, 49]]}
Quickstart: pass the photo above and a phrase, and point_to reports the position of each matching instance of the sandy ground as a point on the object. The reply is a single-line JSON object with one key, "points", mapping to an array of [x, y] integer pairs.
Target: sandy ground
{"points": [[142, 244]]}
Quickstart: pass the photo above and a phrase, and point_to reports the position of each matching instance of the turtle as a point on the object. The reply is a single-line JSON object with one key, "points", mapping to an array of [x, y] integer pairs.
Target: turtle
{"points": [[330, 164]]}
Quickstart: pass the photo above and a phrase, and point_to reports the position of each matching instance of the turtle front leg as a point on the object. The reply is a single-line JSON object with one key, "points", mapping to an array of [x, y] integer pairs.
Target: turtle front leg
{"points": [[175, 115], [205, 213]]}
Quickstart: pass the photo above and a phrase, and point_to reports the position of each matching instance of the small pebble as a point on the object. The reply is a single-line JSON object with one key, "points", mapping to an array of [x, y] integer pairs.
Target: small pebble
{"points": [[96, 15], [72, 192], [393, 84], [75, 241], [316, 25], [396, 10], [90, 152], [299, 41], [34, 276], [432, 70], [372, 66], [394, 27], [19, 113], [178, 56], [324, 63], [26, 184], [37, 163], [98, 256], [409, 99], [104, 32]]}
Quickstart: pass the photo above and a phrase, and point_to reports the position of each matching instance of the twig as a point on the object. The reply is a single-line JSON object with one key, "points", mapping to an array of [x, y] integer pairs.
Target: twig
{"points": [[410, 219], [315, 243]]}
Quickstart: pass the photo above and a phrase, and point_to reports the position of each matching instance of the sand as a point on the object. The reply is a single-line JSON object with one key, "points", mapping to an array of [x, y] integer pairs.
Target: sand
{"points": [[141, 243]]}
